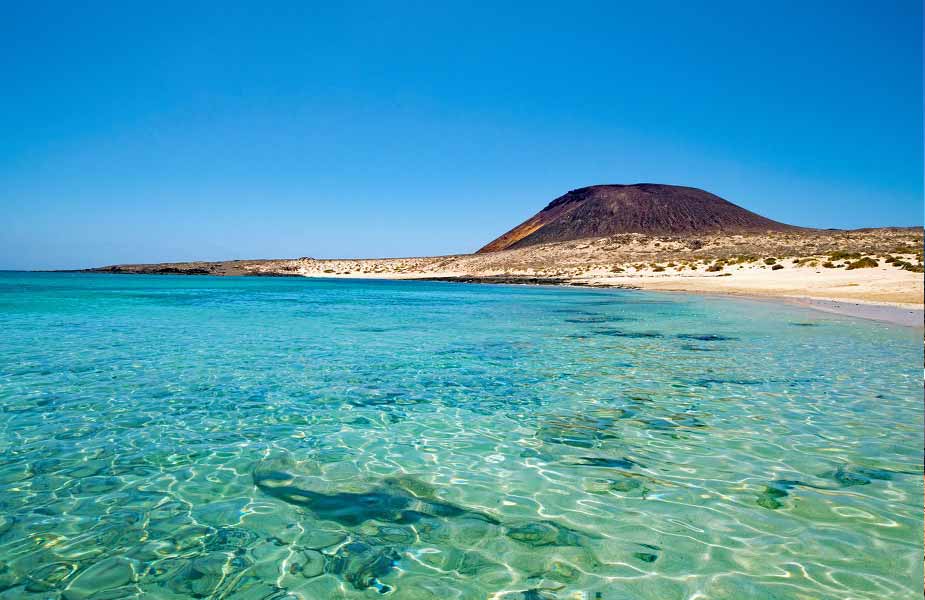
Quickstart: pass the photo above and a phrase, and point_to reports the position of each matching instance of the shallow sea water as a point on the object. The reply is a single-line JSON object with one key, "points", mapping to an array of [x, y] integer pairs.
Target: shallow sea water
{"points": [[198, 437]]}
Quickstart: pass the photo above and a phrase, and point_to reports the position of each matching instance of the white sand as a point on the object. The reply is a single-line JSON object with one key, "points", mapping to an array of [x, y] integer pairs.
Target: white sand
{"points": [[884, 285]]}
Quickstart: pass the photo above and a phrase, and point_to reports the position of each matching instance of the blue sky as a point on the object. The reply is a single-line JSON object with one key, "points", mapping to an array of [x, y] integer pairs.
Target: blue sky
{"points": [[170, 131]]}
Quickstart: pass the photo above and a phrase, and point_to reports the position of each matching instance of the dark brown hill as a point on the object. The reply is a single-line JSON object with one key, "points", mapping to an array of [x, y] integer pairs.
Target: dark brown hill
{"points": [[650, 208]]}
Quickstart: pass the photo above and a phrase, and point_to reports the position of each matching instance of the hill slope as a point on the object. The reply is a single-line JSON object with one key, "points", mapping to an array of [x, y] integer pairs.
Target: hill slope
{"points": [[648, 208]]}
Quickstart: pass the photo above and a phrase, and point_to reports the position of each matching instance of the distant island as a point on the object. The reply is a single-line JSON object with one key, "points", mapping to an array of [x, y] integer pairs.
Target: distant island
{"points": [[650, 236]]}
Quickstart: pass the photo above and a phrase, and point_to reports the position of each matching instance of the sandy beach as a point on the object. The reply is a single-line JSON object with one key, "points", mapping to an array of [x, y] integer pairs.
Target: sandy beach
{"points": [[883, 294]]}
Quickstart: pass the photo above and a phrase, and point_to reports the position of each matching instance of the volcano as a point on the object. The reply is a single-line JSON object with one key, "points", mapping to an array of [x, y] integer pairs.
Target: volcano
{"points": [[649, 208]]}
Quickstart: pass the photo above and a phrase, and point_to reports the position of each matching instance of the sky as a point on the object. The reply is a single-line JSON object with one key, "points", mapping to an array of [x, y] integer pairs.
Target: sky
{"points": [[150, 132]]}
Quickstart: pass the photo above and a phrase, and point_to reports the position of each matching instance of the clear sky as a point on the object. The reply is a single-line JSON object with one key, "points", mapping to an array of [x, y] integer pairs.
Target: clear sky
{"points": [[142, 132]]}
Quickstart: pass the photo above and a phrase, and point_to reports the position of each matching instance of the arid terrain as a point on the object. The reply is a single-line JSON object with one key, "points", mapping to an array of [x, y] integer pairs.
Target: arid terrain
{"points": [[882, 266]]}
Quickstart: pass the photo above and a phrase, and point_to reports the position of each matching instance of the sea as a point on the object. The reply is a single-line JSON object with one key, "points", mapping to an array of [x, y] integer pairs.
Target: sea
{"points": [[173, 437]]}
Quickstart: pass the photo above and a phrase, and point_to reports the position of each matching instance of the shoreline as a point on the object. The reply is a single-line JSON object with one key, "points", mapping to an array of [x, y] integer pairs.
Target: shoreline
{"points": [[884, 312], [895, 313], [842, 272]]}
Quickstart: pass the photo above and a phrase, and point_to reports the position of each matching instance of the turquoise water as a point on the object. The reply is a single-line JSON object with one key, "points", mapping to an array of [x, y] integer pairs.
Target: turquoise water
{"points": [[198, 437]]}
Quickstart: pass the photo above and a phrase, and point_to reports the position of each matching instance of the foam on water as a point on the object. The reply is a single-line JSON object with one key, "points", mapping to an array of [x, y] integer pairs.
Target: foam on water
{"points": [[198, 437]]}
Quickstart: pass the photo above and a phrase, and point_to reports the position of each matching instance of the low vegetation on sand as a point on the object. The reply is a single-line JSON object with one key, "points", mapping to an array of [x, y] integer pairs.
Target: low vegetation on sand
{"points": [[863, 263], [801, 253]]}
